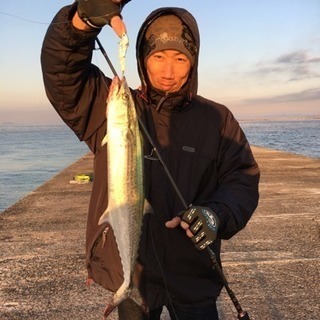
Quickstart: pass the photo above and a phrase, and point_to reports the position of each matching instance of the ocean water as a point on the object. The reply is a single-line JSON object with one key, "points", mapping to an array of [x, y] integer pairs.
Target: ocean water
{"points": [[30, 155], [295, 136]]}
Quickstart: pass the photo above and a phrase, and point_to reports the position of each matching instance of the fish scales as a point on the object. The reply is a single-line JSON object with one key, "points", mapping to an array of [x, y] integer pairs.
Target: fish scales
{"points": [[125, 185]]}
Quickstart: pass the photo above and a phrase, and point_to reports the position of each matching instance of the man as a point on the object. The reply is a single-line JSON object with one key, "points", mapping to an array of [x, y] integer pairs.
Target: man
{"points": [[200, 141]]}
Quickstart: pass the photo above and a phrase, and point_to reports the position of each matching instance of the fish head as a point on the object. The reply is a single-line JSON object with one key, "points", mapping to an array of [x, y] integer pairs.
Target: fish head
{"points": [[119, 100]]}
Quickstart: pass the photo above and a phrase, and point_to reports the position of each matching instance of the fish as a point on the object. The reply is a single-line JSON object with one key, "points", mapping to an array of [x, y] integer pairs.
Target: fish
{"points": [[123, 47], [126, 201]]}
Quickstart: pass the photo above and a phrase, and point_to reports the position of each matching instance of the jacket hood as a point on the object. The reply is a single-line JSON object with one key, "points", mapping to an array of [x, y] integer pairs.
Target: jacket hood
{"points": [[187, 18]]}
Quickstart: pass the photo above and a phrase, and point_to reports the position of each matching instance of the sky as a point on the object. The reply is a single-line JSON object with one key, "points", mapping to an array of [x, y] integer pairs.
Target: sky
{"points": [[259, 58]]}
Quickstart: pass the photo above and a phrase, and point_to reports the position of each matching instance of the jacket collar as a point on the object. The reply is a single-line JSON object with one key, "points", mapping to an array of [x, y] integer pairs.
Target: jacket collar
{"points": [[168, 103]]}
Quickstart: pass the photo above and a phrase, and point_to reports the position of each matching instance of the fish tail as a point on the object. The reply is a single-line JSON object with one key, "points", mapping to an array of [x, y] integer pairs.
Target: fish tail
{"points": [[131, 293], [135, 296], [109, 308]]}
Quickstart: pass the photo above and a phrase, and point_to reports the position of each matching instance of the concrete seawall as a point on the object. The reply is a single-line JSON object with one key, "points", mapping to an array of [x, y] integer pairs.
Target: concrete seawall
{"points": [[272, 265]]}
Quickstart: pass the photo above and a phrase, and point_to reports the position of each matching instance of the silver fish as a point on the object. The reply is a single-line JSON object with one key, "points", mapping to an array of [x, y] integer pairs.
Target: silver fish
{"points": [[125, 185], [123, 47]]}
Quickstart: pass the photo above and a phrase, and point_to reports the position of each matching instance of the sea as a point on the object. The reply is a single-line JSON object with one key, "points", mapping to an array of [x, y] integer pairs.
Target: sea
{"points": [[295, 136], [32, 154]]}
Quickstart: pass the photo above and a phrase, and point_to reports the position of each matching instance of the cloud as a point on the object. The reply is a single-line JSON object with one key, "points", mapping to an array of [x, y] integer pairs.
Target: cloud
{"points": [[302, 96], [297, 65]]}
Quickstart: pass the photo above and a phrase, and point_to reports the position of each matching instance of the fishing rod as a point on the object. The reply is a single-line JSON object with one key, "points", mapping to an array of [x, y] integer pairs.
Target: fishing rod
{"points": [[107, 58], [242, 315]]}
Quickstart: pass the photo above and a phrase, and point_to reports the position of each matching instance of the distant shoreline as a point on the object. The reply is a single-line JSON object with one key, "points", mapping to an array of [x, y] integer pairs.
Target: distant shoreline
{"points": [[280, 118], [240, 119]]}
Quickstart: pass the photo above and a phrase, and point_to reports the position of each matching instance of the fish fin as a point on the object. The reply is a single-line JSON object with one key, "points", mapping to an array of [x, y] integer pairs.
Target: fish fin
{"points": [[135, 296], [131, 293], [104, 217], [147, 208], [109, 308], [128, 309], [104, 140]]}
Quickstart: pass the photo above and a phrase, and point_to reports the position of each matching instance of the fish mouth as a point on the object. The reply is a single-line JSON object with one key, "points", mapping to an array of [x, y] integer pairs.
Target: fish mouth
{"points": [[117, 84]]}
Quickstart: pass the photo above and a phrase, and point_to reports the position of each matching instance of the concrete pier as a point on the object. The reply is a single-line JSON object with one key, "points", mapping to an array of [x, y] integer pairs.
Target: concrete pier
{"points": [[272, 265]]}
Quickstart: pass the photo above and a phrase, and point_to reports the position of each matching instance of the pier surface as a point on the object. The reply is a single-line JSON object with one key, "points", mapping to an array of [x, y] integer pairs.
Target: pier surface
{"points": [[272, 265]]}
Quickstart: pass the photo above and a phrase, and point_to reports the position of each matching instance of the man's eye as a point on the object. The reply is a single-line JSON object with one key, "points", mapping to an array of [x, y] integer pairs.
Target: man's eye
{"points": [[181, 60]]}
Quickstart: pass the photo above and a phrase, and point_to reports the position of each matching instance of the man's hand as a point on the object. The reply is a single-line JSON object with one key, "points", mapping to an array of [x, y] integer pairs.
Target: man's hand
{"points": [[98, 13], [201, 225]]}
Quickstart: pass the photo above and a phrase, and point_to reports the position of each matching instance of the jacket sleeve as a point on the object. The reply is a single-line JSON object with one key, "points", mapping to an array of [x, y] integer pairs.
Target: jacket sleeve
{"points": [[75, 87], [237, 193]]}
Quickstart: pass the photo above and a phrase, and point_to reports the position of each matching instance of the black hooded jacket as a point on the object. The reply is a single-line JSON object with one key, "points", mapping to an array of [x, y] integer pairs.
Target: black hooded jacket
{"points": [[200, 141]]}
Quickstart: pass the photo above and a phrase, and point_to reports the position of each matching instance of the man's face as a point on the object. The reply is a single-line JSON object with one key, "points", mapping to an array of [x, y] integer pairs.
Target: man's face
{"points": [[168, 70]]}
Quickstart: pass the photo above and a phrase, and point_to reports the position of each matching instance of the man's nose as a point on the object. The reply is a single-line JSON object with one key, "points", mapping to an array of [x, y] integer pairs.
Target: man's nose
{"points": [[168, 70]]}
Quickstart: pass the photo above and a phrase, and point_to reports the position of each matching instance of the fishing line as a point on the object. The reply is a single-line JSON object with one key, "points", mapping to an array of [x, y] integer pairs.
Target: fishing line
{"points": [[106, 57], [164, 279], [32, 21], [47, 23]]}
